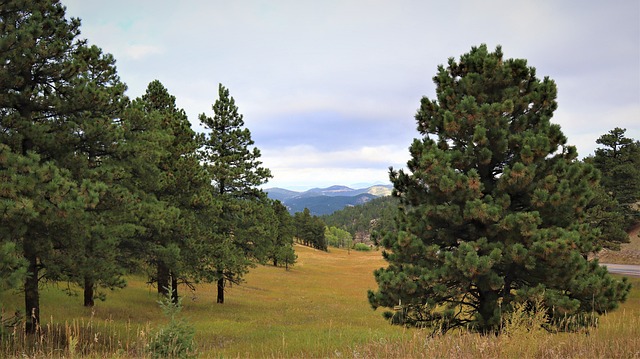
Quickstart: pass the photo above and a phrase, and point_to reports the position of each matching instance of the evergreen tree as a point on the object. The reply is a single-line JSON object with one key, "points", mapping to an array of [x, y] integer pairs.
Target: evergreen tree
{"points": [[491, 206], [605, 214], [309, 230], [13, 268], [282, 249], [91, 158], [34, 198], [234, 166], [183, 188], [619, 162], [55, 91]]}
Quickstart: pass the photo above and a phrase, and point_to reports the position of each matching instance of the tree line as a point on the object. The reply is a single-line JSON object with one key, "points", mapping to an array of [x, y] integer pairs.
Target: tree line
{"points": [[94, 185]]}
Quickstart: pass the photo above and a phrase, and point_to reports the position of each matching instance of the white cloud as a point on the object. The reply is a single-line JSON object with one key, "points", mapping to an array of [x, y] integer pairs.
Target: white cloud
{"points": [[139, 52], [331, 87], [306, 166]]}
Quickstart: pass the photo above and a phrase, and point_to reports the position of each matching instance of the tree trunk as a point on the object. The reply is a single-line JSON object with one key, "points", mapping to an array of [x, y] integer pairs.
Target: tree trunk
{"points": [[163, 279], [275, 262], [220, 298], [31, 293], [88, 292], [487, 308], [174, 288]]}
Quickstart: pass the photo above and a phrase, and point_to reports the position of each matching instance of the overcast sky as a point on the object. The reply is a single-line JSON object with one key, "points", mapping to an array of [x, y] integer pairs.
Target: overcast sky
{"points": [[329, 88]]}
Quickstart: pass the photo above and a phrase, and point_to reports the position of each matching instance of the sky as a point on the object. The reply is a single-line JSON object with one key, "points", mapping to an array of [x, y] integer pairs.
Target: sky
{"points": [[329, 89]]}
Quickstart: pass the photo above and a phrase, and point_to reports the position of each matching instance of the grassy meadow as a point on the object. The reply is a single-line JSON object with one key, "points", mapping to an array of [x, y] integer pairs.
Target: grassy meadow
{"points": [[317, 309]]}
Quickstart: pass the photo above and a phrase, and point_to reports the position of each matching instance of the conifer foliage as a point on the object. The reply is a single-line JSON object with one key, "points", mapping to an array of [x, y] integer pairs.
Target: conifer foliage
{"points": [[235, 169], [618, 159], [93, 185], [491, 205], [58, 97]]}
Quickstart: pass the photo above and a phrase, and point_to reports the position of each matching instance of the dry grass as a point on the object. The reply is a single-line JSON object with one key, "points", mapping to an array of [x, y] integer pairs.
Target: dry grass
{"points": [[317, 309]]}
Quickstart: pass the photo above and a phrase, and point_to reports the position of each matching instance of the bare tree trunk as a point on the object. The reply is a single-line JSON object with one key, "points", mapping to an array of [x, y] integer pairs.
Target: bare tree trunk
{"points": [[220, 298], [88, 292]]}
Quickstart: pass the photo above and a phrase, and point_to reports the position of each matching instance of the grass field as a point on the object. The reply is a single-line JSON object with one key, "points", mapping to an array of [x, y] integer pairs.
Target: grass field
{"points": [[317, 309]]}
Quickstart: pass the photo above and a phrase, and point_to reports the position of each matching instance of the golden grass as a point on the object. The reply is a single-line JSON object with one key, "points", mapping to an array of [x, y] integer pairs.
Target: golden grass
{"points": [[317, 309]]}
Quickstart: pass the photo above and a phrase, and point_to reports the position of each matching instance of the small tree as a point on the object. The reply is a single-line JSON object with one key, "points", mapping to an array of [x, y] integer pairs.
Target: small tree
{"points": [[492, 205], [176, 340]]}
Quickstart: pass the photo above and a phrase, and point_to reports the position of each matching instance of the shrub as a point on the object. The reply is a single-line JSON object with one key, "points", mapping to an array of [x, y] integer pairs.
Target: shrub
{"points": [[176, 339], [362, 247]]}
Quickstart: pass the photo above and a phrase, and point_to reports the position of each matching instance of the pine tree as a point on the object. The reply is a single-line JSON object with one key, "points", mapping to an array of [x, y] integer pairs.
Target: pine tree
{"points": [[309, 230], [281, 251], [54, 91], [619, 162], [234, 166], [605, 214], [183, 187], [491, 205]]}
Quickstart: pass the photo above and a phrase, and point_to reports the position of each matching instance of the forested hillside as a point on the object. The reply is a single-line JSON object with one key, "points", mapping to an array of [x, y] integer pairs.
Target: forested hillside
{"points": [[323, 201], [361, 221]]}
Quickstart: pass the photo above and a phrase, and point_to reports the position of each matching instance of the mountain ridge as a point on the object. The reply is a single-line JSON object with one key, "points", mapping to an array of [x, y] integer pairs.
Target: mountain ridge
{"points": [[327, 200]]}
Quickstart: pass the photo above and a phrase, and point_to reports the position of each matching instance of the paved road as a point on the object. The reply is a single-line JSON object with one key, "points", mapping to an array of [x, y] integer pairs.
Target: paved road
{"points": [[624, 269]]}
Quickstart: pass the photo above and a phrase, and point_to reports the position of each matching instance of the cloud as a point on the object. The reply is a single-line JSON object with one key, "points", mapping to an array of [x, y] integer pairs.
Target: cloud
{"points": [[139, 52], [321, 82], [325, 168]]}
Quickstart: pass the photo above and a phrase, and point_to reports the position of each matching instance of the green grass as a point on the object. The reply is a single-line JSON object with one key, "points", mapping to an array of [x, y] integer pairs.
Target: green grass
{"points": [[317, 309]]}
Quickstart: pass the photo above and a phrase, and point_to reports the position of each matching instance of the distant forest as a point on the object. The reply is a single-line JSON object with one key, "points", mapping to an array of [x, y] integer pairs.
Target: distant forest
{"points": [[364, 220]]}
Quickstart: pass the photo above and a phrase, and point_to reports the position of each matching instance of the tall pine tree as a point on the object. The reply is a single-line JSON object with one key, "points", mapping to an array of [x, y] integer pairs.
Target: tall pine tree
{"points": [[54, 90], [491, 205], [183, 186], [234, 166]]}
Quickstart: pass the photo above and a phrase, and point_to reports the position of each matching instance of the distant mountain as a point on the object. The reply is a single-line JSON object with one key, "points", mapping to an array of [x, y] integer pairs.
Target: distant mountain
{"points": [[281, 194], [322, 201], [320, 205]]}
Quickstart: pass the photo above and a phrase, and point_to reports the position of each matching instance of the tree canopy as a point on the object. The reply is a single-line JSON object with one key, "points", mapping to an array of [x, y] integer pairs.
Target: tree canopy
{"points": [[235, 170], [619, 161], [94, 185], [491, 205]]}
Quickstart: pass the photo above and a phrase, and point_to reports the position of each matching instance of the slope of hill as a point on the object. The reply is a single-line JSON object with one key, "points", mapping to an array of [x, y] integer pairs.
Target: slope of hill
{"points": [[320, 205], [321, 201], [629, 253], [375, 215]]}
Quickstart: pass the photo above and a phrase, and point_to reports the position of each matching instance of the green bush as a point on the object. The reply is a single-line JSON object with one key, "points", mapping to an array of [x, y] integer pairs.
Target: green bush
{"points": [[176, 339], [361, 247]]}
